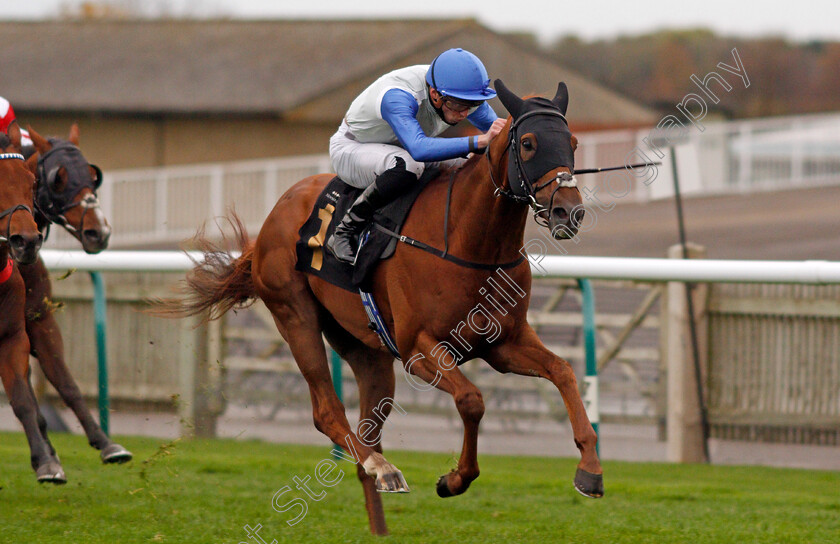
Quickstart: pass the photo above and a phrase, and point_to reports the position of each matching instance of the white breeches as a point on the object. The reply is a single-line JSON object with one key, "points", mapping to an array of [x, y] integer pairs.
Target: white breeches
{"points": [[358, 164]]}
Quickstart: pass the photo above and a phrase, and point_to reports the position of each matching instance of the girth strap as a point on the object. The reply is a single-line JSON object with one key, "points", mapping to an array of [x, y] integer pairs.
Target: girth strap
{"points": [[446, 256]]}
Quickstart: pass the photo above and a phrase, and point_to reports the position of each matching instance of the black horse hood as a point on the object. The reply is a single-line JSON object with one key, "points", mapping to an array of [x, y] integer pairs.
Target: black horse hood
{"points": [[546, 119]]}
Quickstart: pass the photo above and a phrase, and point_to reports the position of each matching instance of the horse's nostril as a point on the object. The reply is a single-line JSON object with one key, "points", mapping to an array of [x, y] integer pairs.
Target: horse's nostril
{"points": [[92, 234], [577, 217], [21, 244], [560, 214], [17, 242]]}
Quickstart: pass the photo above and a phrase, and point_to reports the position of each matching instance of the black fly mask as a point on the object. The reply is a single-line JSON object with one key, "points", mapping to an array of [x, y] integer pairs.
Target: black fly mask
{"points": [[551, 147], [51, 201]]}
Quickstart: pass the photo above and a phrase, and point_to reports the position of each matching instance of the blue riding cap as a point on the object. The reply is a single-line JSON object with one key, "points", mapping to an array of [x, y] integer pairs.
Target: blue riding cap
{"points": [[460, 74]]}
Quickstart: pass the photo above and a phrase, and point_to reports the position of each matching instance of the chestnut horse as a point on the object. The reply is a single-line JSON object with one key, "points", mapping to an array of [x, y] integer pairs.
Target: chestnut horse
{"points": [[66, 196], [20, 241], [439, 310]]}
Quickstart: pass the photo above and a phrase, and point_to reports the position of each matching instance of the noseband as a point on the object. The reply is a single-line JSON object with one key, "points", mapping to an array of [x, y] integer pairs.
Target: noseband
{"points": [[526, 186], [10, 211], [90, 202]]}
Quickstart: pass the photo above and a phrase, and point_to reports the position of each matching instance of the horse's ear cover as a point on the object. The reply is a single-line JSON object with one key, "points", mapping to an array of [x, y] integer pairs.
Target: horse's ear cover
{"points": [[511, 102], [561, 99]]}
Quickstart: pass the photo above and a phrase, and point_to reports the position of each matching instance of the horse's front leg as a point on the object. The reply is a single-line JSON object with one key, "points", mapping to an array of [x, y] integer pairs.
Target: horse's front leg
{"points": [[425, 364], [47, 345], [525, 354], [14, 372], [301, 330]]}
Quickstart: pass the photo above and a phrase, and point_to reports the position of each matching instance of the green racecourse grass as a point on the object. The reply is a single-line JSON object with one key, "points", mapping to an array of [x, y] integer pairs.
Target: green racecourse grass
{"points": [[205, 491]]}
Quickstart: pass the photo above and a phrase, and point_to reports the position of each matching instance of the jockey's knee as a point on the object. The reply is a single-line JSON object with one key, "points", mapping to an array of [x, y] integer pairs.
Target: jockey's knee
{"points": [[411, 165]]}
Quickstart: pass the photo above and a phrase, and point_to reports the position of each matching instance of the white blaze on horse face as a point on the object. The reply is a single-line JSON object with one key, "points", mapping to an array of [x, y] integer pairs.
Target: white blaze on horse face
{"points": [[102, 220]]}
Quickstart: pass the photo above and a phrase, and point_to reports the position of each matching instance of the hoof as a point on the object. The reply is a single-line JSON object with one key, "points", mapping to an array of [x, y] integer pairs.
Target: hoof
{"points": [[588, 484], [442, 488], [393, 482], [51, 473], [114, 453]]}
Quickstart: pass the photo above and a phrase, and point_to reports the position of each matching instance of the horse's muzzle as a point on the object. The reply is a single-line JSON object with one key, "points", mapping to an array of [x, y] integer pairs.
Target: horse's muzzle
{"points": [[95, 240], [24, 247], [563, 223]]}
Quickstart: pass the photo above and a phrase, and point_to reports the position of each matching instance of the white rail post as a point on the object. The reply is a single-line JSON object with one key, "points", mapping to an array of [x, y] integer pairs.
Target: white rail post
{"points": [[684, 422], [745, 158], [161, 200], [208, 378]]}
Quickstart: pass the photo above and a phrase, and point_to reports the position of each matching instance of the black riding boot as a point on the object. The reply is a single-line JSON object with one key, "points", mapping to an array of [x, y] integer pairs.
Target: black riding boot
{"points": [[386, 188]]}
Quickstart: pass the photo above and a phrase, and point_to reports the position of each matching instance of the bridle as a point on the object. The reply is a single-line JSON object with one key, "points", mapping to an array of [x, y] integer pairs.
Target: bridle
{"points": [[527, 192], [89, 202], [10, 211], [49, 203]]}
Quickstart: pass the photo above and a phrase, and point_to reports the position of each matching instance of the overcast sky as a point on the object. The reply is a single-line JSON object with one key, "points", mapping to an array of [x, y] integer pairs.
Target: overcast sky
{"points": [[799, 20]]}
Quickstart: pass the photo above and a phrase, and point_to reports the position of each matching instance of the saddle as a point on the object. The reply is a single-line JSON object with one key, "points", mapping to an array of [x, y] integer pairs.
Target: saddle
{"points": [[377, 245]]}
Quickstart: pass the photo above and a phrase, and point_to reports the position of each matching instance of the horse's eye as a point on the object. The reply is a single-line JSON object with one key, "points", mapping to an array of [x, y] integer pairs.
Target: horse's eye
{"points": [[528, 147]]}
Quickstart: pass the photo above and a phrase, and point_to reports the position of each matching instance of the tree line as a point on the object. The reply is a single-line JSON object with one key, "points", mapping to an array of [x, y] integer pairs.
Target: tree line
{"points": [[654, 69]]}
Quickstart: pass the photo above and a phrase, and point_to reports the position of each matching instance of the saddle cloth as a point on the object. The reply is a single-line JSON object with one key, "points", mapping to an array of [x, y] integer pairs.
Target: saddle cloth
{"points": [[330, 207]]}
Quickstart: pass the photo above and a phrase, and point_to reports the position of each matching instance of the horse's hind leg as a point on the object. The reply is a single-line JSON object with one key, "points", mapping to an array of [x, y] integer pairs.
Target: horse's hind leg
{"points": [[374, 372], [299, 325], [14, 372], [526, 355], [47, 346]]}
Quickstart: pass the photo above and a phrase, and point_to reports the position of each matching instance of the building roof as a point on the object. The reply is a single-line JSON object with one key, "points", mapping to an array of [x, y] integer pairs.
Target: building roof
{"points": [[299, 69]]}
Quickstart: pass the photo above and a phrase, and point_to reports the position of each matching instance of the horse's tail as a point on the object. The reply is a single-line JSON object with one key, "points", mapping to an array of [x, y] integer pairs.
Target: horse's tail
{"points": [[217, 283]]}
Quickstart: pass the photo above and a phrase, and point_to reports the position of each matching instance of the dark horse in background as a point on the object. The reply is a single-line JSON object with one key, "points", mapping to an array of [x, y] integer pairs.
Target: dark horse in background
{"points": [[20, 241], [65, 196], [426, 301]]}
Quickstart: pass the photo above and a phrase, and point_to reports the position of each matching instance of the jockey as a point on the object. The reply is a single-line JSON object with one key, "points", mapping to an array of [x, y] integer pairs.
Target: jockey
{"points": [[7, 117], [389, 134]]}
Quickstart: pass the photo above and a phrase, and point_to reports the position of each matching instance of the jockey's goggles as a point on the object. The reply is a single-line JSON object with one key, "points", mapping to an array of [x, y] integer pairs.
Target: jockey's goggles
{"points": [[458, 105]]}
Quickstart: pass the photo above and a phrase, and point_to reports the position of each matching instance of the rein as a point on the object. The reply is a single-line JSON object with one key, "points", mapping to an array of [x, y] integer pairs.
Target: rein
{"points": [[563, 179], [444, 255]]}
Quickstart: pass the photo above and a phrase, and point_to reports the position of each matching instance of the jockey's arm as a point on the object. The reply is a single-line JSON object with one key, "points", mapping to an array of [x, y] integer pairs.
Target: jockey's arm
{"points": [[482, 118], [398, 109], [7, 115]]}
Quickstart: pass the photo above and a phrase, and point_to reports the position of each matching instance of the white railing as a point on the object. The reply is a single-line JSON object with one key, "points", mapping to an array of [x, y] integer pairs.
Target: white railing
{"points": [[601, 268], [163, 206], [634, 269]]}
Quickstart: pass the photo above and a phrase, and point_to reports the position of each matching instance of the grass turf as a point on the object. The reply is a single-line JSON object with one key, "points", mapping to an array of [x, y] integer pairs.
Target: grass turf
{"points": [[206, 491]]}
